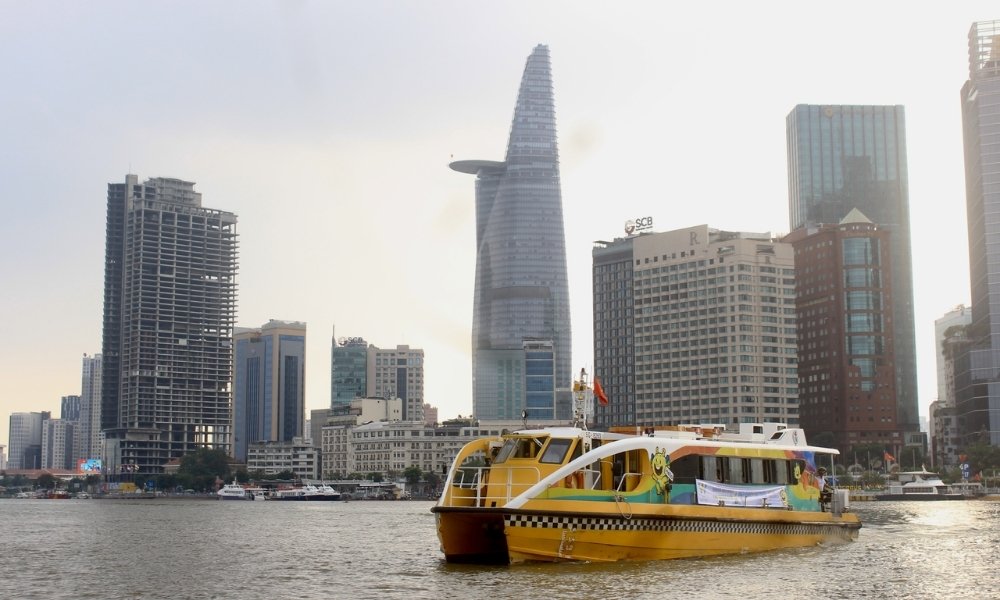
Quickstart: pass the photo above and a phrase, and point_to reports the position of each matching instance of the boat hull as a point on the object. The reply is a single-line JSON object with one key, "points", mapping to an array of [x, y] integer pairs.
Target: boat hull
{"points": [[472, 535], [919, 497], [502, 536], [608, 539]]}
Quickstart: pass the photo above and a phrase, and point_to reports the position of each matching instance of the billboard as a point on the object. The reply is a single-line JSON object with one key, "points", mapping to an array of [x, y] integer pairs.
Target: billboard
{"points": [[89, 466]]}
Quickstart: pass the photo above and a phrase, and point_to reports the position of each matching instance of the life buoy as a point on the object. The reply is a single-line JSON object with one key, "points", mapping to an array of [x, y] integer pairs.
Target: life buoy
{"points": [[574, 480]]}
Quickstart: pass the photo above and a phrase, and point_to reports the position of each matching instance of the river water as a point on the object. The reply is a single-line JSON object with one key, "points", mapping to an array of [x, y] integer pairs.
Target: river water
{"points": [[249, 550]]}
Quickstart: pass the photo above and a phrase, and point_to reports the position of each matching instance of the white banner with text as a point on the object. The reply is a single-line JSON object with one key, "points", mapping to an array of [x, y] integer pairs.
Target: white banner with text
{"points": [[722, 494]]}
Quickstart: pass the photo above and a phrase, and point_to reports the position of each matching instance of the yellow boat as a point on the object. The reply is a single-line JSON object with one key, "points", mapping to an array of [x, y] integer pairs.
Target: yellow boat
{"points": [[569, 494]]}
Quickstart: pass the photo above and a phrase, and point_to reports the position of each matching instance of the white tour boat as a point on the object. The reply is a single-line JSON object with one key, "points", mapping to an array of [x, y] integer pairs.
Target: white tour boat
{"points": [[232, 491], [919, 485]]}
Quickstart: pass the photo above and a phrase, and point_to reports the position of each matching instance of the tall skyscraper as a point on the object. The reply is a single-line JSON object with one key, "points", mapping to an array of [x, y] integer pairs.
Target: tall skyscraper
{"points": [[846, 157], [695, 325], [89, 429], [169, 308], [977, 378], [268, 384], [521, 290], [847, 375]]}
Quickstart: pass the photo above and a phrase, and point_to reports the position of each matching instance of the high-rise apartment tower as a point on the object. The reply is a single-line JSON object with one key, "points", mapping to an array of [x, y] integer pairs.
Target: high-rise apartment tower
{"points": [[89, 429]]}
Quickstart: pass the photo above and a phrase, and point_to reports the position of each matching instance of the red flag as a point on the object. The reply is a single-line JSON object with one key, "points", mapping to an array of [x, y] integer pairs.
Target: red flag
{"points": [[599, 392], [889, 458]]}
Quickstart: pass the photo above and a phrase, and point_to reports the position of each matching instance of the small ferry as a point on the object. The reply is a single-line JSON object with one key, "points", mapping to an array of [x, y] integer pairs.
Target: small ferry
{"points": [[329, 493], [570, 494], [256, 493], [921, 486], [309, 493], [232, 491]]}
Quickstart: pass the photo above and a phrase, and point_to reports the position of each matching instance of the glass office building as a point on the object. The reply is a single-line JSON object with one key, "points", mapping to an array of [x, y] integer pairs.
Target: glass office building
{"points": [[846, 157], [521, 289], [977, 394], [348, 371], [268, 385]]}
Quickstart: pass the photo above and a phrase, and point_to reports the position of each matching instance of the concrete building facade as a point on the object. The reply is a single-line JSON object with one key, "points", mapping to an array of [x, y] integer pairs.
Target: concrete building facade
{"points": [[58, 444], [271, 458], [951, 341], [845, 320], [695, 325]]}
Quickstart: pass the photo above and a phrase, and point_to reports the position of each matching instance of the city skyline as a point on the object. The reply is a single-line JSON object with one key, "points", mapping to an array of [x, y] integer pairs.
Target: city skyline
{"points": [[342, 123]]}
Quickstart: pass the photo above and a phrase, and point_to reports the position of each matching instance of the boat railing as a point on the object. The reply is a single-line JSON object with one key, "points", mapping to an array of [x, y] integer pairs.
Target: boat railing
{"points": [[489, 489], [623, 485]]}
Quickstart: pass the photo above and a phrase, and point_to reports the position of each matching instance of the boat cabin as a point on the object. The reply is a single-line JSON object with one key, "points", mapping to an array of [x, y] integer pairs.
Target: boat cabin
{"points": [[767, 464]]}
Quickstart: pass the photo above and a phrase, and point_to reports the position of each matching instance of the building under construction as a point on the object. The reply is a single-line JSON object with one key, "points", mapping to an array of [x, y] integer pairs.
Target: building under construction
{"points": [[169, 311]]}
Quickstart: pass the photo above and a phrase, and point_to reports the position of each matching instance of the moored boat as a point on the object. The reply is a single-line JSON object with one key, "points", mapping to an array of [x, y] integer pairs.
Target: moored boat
{"points": [[232, 491], [295, 493], [920, 486], [256, 493], [308, 492], [329, 493], [569, 494]]}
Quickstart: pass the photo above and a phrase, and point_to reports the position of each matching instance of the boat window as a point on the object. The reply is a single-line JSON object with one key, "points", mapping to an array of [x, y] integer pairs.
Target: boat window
{"points": [[733, 470], [757, 471], [525, 447], [685, 469], [776, 471], [470, 470], [711, 468], [555, 452], [618, 469], [506, 451]]}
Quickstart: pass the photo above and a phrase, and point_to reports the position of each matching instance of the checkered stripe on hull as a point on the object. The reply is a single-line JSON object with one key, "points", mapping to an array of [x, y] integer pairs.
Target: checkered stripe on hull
{"points": [[668, 525]]}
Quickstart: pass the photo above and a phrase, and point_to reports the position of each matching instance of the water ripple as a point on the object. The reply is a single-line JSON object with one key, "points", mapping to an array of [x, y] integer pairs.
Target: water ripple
{"points": [[249, 550]]}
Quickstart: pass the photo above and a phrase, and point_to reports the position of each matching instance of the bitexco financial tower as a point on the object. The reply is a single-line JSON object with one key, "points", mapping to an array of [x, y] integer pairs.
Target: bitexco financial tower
{"points": [[521, 324]]}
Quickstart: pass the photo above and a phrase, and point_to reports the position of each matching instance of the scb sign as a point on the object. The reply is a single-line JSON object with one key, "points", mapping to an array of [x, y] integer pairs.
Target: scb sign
{"points": [[640, 224]]}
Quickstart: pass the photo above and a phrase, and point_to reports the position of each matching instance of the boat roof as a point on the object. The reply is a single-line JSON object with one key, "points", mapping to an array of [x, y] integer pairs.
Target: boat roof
{"points": [[777, 436]]}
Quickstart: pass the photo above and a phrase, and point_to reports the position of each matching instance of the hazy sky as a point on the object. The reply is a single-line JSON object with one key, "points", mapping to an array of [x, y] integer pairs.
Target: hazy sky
{"points": [[328, 128]]}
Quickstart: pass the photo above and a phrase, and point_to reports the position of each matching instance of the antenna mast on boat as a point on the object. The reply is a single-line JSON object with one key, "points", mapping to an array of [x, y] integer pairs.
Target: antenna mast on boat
{"points": [[581, 387]]}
